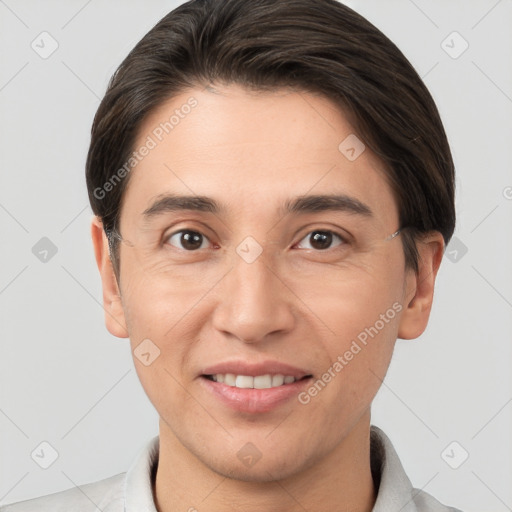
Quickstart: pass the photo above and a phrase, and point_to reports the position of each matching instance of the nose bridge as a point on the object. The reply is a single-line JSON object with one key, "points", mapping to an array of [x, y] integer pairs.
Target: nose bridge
{"points": [[253, 302]]}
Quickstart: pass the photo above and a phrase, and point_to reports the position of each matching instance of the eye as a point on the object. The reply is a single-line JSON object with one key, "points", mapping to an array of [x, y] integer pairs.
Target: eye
{"points": [[321, 239], [188, 240]]}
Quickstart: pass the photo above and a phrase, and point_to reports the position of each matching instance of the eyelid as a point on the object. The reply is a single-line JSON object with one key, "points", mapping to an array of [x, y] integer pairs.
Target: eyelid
{"points": [[167, 237], [172, 230], [344, 239], [335, 230]]}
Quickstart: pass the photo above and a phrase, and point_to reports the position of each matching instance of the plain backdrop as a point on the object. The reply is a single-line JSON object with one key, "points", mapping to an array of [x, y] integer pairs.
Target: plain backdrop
{"points": [[446, 402]]}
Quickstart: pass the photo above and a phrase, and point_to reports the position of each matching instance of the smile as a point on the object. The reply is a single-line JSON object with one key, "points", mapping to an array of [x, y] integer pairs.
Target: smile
{"points": [[254, 388], [257, 382]]}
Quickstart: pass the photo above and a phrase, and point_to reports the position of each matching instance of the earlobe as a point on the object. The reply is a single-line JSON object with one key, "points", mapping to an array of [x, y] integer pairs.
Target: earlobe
{"points": [[114, 313], [419, 289]]}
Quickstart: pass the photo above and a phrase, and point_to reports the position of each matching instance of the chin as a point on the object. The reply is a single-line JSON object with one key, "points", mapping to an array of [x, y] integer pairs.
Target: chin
{"points": [[249, 464], [261, 472]]}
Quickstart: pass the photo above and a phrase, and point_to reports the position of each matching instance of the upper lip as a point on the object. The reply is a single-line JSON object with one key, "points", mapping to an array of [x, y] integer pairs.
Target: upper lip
{"points": [[254, 369]]}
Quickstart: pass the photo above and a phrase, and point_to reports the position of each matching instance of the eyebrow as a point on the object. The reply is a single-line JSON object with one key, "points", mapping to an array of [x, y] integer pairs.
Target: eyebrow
{"points": [[330, 202], [301, 204]]}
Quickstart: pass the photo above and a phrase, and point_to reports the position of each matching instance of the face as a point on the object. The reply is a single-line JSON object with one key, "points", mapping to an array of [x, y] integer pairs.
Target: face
{"points": [[263, 319]]}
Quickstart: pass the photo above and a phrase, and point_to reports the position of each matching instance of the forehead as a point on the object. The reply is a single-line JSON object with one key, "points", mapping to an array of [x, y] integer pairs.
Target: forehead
{"points": [[253, 150]]}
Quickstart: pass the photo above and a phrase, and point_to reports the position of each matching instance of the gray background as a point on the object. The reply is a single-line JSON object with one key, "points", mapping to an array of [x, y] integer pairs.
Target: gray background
{"points": [[65, 380]]}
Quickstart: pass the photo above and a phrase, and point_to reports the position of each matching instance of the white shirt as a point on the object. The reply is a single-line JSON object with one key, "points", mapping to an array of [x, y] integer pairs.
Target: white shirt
{"points": [[132, 491]]}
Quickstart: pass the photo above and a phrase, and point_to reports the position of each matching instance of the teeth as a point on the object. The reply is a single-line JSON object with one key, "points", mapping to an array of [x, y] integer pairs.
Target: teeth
{"points": [[277, 380], [229, 379], [258, 382], [244, 381], [263, 382]]}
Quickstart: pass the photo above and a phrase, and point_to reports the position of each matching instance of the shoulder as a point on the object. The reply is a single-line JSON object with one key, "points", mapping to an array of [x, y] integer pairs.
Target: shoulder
{"points": [[131, 490], [106, 495], [395, 491]]}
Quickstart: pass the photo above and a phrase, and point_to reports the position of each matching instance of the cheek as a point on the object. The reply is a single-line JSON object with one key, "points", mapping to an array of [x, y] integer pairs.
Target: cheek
{"points": [[155, 303], [358, 362], [348, 303], [162, 336], [162, 319], [362, 314]]}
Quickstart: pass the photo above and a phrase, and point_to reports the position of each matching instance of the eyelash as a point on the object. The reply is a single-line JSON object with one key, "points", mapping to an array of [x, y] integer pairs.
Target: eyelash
{"points": [[342, 238]]}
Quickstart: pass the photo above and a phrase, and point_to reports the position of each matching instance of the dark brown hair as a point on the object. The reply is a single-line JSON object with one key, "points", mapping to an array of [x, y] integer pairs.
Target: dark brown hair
{"points": [[318, 46]]}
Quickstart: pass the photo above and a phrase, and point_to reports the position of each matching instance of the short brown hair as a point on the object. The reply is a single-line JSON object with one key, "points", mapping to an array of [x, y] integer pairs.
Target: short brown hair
{"points": [[319, 46]]}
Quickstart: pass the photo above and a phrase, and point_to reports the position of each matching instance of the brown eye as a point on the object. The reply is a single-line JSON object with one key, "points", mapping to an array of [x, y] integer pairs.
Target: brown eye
{"points": [[188, 240], [321, 240]]}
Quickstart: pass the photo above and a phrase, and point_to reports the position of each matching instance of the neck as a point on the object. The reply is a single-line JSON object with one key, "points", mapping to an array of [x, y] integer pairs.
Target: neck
{"points": [[342, 480]]}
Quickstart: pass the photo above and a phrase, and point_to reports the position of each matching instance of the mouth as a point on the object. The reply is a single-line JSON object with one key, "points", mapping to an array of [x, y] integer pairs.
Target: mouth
{"points": [[254, 388]]}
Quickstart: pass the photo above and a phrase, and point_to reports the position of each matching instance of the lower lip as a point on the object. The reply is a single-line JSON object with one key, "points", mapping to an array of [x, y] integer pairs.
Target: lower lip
{"points": [[252, 400]]}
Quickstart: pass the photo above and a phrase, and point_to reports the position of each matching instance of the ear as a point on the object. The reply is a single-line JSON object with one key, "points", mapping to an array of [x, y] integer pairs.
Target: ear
{"points": [[112, 305], [419, 288]]}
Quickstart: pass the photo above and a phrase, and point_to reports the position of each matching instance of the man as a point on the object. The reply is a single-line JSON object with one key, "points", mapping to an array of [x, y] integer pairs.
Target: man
{"points": [[273, 191]]}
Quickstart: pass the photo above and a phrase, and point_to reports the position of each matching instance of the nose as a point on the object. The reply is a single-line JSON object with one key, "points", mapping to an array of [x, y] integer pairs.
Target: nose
{"points": [[253, 302]]}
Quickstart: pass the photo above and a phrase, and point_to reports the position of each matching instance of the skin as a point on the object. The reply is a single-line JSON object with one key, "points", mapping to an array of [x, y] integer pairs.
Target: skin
{"points": [[250, 151]]}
